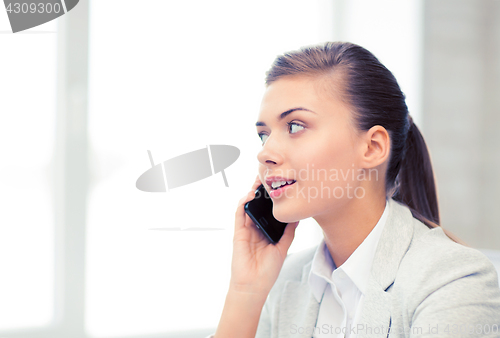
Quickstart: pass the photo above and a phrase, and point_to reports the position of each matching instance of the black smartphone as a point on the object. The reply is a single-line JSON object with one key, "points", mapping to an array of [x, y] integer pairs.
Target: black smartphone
{"points": [[260, 210]]}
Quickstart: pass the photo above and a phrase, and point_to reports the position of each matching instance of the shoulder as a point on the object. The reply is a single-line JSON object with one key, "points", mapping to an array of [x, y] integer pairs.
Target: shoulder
{"points": [[431, 251], [434, 262]]}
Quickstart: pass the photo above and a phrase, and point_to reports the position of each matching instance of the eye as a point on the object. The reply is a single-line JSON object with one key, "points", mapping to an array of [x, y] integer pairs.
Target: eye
{"points": [[291, 126], [263, 137]]}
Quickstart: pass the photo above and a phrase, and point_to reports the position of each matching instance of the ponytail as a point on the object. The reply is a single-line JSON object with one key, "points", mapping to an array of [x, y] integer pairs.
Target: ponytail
{"points": [[415, 183], [415, 180]]}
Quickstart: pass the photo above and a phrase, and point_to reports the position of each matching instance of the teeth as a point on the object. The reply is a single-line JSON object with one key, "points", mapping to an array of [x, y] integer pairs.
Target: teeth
{"points": [[278, 184]]}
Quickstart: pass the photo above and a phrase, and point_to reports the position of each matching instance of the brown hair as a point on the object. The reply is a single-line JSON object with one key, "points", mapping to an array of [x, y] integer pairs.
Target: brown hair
{"points": [[376, 98]]}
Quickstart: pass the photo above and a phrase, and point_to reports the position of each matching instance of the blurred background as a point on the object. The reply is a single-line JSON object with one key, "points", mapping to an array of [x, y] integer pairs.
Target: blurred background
{"points": [[84, 253]]}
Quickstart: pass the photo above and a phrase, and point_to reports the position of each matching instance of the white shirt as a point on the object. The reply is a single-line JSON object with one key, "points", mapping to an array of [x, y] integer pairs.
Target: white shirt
{"points": [[340, 291]]}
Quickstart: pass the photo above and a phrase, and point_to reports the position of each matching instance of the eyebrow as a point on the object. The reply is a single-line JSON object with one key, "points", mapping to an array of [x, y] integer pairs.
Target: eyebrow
{"points": [[283, 115]]}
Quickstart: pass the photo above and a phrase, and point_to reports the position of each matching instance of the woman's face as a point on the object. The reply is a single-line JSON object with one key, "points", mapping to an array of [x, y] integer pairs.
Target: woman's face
{"points": [[307, 137]]}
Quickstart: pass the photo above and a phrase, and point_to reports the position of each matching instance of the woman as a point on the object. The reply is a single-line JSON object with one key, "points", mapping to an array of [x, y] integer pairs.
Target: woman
{"points": [[336, 129]]}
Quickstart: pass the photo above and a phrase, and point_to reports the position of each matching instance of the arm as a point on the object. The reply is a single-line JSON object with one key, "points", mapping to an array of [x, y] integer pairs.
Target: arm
{"points": [[225, 325], [264, 328], [240, 316]]}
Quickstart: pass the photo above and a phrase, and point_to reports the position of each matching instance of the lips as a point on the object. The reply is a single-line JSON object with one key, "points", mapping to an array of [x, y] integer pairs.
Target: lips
{"points": [[274, 193]]}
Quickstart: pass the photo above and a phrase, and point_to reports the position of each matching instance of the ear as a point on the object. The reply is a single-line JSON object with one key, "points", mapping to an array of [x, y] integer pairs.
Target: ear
{"points": [[375, 147]]}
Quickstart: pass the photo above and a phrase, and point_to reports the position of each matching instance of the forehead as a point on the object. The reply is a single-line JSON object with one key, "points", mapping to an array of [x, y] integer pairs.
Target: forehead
{"points": [[315, 94]]}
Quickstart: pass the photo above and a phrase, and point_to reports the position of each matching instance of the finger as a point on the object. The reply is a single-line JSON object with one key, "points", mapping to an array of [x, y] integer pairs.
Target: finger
{"points": [[255, 185], [257, 181], [240, 210], [240, 219], [248, 197], [240, 202]]}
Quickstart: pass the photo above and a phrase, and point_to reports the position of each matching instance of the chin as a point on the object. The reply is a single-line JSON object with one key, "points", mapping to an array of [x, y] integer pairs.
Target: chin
{"points": [[286, 218]]}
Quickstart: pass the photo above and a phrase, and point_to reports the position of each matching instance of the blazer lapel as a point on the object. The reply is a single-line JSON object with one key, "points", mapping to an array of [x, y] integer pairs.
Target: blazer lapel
{"points": [[298, 308], [375, 320]]}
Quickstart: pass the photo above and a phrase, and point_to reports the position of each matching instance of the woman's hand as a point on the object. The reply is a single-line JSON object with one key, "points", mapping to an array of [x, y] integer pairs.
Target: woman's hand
{"points": [[256, 262]]}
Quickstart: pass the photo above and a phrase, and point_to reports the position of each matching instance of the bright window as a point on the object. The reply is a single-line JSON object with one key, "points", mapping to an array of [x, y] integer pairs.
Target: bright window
{"points": [[27, 134]]}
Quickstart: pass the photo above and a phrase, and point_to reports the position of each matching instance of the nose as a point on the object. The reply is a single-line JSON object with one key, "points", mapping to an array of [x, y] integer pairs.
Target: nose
{"points": [[271, 153]]}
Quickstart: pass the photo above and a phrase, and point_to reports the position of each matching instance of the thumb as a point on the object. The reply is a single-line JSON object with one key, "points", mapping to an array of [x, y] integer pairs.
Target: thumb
{"points": [[288, 236]]}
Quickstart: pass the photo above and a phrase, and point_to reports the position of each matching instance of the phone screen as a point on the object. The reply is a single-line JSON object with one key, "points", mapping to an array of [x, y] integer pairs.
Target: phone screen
{"points": [[260, 210]]}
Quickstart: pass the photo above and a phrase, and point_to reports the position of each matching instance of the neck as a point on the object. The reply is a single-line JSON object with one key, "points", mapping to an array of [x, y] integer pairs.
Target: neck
{"points": [[347, 226]]}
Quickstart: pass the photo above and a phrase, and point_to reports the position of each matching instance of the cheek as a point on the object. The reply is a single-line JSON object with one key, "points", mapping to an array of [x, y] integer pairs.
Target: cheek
{"points": [[262, 173], [325, 156], [327, 166]]}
